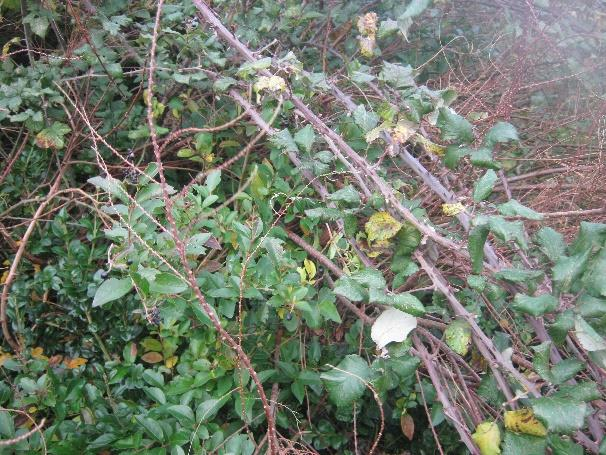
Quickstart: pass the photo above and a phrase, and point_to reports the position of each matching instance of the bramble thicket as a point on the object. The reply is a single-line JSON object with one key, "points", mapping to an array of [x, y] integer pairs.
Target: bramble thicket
{"points": [[303, 227]]}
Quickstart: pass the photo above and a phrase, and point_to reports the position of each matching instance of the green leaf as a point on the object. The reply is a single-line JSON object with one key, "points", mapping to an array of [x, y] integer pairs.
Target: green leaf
{"points": [[561, 372], [153, 378], [182, 413], [208, 409], [284, 140], [346, 194], [329, 311], [519, 275], [386, 28], [514, 208], [561, 446], [249, 68], [590, 236], [153, 428], [551, 243], [305, 137], [594, 276], [52, 137], [453, 155], [408, 303], [567, 270], [155, 394], [223, 83], [535, 306], [349, 289], [112, 289], [581, 391], [483, 158], [326, 213], [475, 246], [397, 75], [213, 180], [364, 119], [563, 323], [500, 132], [523, 444], [369, 277], [484, 186], [167, 283], [560, 415], [453, 127], [458, 336], [508, 230], [346, 382], [111, 185], [589, 339]]}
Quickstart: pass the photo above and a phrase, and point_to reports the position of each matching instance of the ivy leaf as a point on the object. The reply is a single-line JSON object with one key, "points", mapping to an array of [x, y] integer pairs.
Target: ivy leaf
{"points": [[488, 438], [535, 306], [500, 132], [560, 415], [347, 194], [514, 208], [453, 127], [305, 137], [483, 187], [364, 119], [346, 382], [458, 336], [392, 326], [112, 289], [52, 137]]}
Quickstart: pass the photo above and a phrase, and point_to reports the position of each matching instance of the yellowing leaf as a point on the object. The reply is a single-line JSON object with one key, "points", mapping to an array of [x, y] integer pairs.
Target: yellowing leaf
{"points": [[310, 268], [429, 146], [4, 277], [488, 438], [381, 226], [524, 421], [152, 357], [4, 357], [7, 45], [402, 131], [452, 209], [171, 361], [270, 83], [38, 353], [367, 24], [75, 363]]}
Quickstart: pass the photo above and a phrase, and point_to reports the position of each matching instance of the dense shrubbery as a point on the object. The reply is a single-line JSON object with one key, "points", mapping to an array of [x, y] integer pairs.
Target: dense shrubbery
{"points": [[260, 209]]}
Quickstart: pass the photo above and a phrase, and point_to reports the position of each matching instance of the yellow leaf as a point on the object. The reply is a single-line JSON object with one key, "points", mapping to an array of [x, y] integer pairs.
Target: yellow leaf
{"points": [[402, 131], [4, 357], [152, 357], [367, 24], [38, 353], [488, 438], [171, 361], [524, 421], [310, 268], [7, 46], [32, 410], [4, 277], [429, 146], [381, 226], [452, 209], [75, 363]]}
